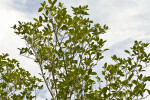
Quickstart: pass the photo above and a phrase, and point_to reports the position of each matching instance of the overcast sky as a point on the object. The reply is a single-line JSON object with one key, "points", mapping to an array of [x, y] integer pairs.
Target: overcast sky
{"points": [[128, 20]]}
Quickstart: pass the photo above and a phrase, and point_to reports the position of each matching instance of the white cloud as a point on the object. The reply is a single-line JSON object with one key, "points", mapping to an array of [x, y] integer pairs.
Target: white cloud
{"points": [[128, 19], [8, 18], [9, 42], [120, 17]]}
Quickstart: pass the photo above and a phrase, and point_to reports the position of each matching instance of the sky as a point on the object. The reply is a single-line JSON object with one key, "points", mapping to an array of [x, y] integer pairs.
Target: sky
{"points": [[128, 20]]}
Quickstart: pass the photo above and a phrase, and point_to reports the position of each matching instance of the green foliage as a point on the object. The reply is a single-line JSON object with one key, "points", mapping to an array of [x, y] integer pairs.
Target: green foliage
{"points": [[125, 79], [15, 82], [68, 47]]}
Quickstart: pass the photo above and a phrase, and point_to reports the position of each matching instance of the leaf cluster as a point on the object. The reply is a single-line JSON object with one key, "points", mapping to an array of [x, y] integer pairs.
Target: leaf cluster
{"points": [[125, 79], [68, 47], [15, 82]]}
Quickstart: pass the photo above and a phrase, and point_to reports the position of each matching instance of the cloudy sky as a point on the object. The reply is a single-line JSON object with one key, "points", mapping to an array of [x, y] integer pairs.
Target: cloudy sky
{"points": [[128, 20]]}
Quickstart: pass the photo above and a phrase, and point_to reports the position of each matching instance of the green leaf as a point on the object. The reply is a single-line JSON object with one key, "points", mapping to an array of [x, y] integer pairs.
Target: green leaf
{"points": [[14, 27], [75, 61], [50, 1], [98, 78], [36, 19], [46, 12], [129, 61], [54, 2], [114, 57], [40, 19], [120, 73], [148, 91], [86, 77], [40, 9], [105, 65], [93, 73], [64, 27], [146, 78], [135, 82], [44, 3], [105, 89], [125, 82], [127, 51], [90, 71], [60, 4], [129, 78], [105, 49], [103, 72], [140, 76]]}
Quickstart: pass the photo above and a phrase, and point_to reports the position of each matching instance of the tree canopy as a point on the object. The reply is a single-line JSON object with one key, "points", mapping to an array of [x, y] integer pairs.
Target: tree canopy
{"points": [[15, 82], [67, 47]]}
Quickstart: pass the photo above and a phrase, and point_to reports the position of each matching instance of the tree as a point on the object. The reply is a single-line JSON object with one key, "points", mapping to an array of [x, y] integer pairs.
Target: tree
{"points": [[68, 47], [15, 82], [125, 79]]}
